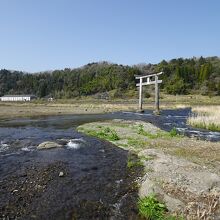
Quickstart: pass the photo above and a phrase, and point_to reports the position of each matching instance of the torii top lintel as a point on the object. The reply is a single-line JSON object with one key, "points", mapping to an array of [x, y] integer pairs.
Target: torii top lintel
{"points": [[149, 80], [151, 75]]}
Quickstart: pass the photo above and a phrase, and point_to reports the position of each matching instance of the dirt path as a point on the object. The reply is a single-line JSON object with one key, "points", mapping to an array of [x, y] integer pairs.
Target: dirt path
{"points": [[183, 172]]}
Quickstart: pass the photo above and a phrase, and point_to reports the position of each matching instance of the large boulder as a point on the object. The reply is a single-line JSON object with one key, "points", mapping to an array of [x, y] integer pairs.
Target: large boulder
{"points": [[48, 145]]}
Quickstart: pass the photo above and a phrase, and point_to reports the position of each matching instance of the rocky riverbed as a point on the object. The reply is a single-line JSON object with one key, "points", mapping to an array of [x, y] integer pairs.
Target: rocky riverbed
{"points": [[68, 184], [49, 172]]}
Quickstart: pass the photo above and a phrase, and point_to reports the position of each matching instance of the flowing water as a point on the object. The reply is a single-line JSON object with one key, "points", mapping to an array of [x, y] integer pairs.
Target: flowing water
{"points": [[86, 179]]}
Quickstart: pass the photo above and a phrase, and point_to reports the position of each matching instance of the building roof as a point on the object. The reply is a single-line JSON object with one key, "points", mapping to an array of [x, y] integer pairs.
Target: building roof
{"points": [[18, 96]]}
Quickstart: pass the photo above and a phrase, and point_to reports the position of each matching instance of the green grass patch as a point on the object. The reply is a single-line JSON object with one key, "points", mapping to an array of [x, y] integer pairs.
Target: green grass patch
{"points": [[147, 158], [106, 134], [173, 132], [141, 131], [211, 126], [152, 209], [134, 161], [136, 143], [160, 134], [124, 145]]}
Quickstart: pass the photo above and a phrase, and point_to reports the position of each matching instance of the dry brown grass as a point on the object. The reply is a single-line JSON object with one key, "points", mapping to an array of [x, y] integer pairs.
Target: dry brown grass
{"points": [[13, 110], [90, 105], [201, 152], [201, 207], [207, 117]]}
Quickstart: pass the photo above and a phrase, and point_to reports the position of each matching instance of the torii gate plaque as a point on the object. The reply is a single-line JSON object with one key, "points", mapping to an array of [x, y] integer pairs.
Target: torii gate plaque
{"points": [[150, 79]]}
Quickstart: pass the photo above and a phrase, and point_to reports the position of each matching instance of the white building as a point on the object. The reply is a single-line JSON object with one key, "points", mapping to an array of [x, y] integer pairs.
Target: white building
{"points": [[17, 98]]}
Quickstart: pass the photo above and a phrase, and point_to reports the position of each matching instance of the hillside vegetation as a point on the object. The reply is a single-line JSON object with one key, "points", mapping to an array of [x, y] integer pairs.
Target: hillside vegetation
{"points": [[181, 76]]}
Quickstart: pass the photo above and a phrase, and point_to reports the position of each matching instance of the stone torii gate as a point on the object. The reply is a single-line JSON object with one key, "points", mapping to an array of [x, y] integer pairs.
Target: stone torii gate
{"points": [[149, 80]]}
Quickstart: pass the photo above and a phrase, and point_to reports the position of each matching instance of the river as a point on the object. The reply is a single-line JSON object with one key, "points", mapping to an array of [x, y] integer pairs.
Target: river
{"points": [[95, 184]]}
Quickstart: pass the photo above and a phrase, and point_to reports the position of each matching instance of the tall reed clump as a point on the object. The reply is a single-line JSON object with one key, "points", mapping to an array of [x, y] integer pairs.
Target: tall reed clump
{"points": [[207, 117]]}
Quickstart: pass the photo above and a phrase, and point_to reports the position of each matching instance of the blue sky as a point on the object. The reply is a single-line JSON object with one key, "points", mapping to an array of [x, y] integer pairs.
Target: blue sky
{"points": [[38, 35]]}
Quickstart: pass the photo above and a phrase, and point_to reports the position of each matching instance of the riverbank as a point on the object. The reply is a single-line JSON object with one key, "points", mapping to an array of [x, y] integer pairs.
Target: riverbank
{"points": [[181, 172]]}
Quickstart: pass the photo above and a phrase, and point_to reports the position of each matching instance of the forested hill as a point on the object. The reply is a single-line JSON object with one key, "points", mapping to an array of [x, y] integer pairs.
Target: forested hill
{"points": [[181, 76]]}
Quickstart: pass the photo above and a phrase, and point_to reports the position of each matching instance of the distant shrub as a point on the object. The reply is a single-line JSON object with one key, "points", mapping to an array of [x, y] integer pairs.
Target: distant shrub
{"points": [[147, 95], [173, 132], [116, 93]]}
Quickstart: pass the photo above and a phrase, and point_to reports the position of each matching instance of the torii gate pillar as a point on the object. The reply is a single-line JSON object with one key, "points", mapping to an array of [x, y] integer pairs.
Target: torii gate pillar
{"points": [[157, 101], [140, 95]]}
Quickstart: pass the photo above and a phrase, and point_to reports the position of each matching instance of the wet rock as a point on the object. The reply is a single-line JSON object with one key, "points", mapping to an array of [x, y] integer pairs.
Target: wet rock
{"points": [[76, 143], [14, 191], [63, 141], [48, 145], [61, 174]]}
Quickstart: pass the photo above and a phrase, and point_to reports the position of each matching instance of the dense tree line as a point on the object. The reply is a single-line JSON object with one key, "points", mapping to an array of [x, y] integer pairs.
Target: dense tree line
{"points": [[184, 76], [67, 83], [181, 76]]}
